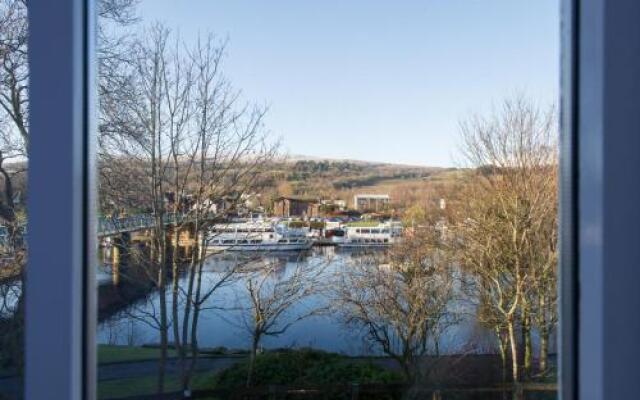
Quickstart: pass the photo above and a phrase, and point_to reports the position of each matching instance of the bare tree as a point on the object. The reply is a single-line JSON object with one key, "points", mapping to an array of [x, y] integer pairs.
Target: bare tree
{"points": [[143, 142], [233, 152], [14, 142], [177, 139], [401, 299], [275, 296], [14, 103], [509, 206], [544, 293]]}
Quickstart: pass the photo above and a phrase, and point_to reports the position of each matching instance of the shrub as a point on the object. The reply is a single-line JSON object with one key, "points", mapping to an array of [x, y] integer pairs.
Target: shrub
{"points": [[305, 367]]}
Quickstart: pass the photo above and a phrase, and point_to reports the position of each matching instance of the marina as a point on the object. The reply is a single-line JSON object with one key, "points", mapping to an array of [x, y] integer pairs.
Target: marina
{"points": [[294, 235]]}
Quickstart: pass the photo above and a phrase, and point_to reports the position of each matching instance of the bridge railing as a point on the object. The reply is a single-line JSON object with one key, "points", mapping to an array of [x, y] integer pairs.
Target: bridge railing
{"points": [[110, 226], [107, 226]]}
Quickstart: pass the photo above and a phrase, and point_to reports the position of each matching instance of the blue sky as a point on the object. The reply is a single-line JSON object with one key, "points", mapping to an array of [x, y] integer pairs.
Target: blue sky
{"points": [[377, 80]]}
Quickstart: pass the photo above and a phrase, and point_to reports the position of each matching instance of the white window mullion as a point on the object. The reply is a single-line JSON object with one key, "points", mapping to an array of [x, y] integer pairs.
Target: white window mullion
{"points": [[59, 338]]}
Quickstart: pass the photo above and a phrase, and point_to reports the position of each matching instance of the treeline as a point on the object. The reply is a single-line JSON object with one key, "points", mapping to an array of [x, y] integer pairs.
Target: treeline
{"points": [[305, 169], [370, 180], [508, 231], [494, 251]]}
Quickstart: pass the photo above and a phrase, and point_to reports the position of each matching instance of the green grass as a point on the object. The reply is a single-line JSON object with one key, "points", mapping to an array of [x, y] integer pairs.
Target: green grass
{"points": [[147, 385], [111, 353], [132, 387], [299, 367], [118, 388]]}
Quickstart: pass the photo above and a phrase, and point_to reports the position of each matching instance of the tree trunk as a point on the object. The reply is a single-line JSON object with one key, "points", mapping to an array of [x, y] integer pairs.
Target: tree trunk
{"points": [[502, 345], [544, 335], [252, 358], [162, 292], [175, 289], [406, 364], [186, 321], [406, 369], [544, 348], [528, 350], [518, 392], [514, 350], [195, 352], [164, 343]]}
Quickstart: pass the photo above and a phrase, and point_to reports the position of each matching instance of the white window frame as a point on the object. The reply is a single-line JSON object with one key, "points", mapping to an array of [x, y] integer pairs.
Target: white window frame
{"points": [[601, 237], [60, 288], [599, 240]]}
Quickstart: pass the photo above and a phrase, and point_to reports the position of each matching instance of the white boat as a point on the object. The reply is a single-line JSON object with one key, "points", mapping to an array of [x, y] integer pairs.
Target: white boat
{"points": [[261, 236], [381, 235]]}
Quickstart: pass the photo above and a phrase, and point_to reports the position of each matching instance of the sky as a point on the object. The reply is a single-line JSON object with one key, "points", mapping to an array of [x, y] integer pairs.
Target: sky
{"points": [[377, 80]]}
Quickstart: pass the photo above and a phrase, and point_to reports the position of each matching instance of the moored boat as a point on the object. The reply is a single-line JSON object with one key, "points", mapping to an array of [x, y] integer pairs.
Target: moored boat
{"points": [[380, 235], [256, 237]]}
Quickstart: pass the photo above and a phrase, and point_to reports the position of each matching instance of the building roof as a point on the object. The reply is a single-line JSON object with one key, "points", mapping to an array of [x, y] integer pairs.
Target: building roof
{"points": [[372, 196], [298, 199]]}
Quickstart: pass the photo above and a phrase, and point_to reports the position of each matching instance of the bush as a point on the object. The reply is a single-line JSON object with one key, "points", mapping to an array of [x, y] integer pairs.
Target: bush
{"points": [[305, 367]]}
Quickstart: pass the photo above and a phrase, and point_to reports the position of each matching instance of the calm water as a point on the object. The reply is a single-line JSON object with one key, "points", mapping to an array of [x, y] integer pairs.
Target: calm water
{"points": [[222, 324]]}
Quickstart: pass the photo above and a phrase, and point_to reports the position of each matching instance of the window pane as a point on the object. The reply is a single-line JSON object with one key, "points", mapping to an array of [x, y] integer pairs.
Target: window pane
{"points": [[14, 138], [352, 198]]}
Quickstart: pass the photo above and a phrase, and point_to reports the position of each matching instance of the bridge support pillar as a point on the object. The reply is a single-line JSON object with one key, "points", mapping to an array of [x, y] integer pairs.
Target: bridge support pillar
{"points": [[181, 242], [115, 266], [187, 239], [119, 255]]}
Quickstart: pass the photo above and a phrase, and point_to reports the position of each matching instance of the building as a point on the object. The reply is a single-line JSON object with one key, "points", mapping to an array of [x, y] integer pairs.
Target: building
{"points": [[185, 202], [339, 204], [371, 202], [333, 206], [207, 206], [295, 207]]}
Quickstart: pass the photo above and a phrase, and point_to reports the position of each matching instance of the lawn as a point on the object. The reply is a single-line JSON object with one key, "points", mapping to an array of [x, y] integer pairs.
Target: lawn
{"points": [[290, 367], [112, 353], [120, 388]]}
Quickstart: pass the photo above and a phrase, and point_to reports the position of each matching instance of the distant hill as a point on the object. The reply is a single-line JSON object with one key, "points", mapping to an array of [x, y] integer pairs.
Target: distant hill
{"points": [[320, 177], [298, 157]]}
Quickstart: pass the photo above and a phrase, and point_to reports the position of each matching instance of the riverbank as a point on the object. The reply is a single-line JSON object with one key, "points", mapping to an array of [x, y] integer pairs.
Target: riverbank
{"points": [[227, 373], [317, 371], [476, 369], [112, 354], [126, 371]]}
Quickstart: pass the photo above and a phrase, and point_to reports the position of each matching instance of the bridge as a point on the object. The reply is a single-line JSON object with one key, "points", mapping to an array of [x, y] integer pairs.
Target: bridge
{"points": [[120, 231], [108, 226], [114, 226], [121, 234]]}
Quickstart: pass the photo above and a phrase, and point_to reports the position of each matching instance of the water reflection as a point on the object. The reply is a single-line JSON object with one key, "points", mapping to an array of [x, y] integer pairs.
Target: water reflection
{"points": [[223, 324]]}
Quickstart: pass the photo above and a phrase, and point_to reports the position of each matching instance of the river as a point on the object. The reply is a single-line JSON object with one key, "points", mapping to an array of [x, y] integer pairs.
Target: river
{"points": [[222, 323]]}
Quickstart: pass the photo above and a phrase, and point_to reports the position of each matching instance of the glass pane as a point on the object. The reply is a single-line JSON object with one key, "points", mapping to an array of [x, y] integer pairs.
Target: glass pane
{"points": [[336, 199], [14, 138]]}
